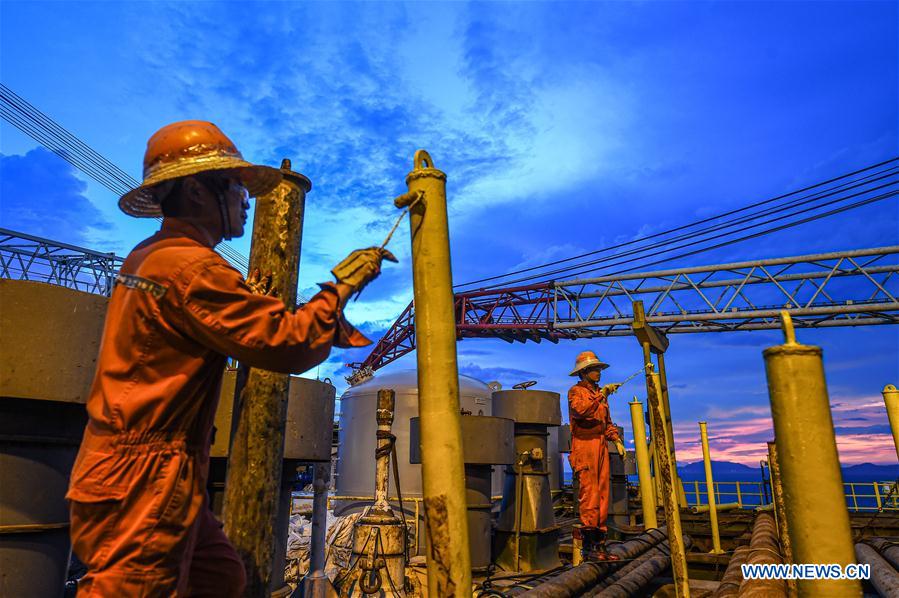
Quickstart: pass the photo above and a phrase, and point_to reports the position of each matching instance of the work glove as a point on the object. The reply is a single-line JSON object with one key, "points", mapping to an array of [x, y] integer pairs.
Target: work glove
{"points": [[608, 389], [620, 446], [361, 267], [261, 285]]}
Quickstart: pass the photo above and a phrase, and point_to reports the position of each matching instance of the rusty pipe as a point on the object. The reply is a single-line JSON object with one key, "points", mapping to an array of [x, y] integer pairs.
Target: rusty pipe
{"points": [[884, 578], [888, 549], [733, 575], [630, 580], [577, 580], [764, 550]]}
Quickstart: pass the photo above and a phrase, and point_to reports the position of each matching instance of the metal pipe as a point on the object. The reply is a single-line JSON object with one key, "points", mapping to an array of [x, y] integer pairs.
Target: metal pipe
{"points": [[763, 550], [577, 580], [780, 512], [888, 549], [809, 465], [316, 583], [647, 359], [669, 429], [884, 578], [710, 489], [733, 575], [647, 492], [384, 415], [669, 497], [442, 469], [253, 483], [891, 400], [725, 506], [631, 579]]}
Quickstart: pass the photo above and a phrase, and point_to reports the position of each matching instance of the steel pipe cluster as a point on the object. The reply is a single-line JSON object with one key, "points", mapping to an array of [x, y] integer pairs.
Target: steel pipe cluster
{"points": [[883, 557], [636, 575], [764, 549], [586, 576]]}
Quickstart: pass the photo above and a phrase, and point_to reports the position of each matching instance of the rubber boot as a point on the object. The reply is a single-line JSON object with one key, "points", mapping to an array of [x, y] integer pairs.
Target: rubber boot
{"points": [[600, 547]]}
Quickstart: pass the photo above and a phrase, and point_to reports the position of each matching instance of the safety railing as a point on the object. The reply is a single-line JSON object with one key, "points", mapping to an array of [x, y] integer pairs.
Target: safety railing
{"points": [[860, 496]]}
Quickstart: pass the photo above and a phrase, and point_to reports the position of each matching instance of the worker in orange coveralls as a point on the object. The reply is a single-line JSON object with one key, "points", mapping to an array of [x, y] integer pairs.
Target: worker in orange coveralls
{"points": [[591, 428], [139, 514]]}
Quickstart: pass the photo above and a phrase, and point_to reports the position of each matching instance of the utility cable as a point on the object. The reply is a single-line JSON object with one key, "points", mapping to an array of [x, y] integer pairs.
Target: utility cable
{"points": [[40, 127], [846, 185]]}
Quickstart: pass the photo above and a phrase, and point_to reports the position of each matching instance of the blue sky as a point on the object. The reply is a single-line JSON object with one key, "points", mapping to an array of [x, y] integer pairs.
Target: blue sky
{"points": [[563, 128]]}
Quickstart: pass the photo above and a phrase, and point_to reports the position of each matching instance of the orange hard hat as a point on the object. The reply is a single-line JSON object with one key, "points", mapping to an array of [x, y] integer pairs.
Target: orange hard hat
{"points": [[190, 147], [585, 360]]}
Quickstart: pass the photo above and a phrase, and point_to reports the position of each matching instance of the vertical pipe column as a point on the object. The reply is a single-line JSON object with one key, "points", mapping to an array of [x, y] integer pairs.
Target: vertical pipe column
{"points": [[809, 465], [710, 489], [668, 495], [253, 482], [384, 415], [780, 514], [316, 583], [669, 429], [647, 492], [647, 359], [891, 400], [442, 470]]}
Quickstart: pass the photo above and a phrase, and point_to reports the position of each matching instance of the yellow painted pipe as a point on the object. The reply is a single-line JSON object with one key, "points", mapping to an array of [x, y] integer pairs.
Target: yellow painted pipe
{"points": [[816, 513], [669, 429], [647, 492], [442, 469], [891, 399], [780, 515], [710, 489], [724, 506], [669, 494]]}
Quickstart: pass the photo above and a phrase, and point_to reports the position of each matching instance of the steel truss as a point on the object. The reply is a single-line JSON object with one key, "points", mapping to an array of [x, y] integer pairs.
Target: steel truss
{"points": [[25, 257], [845, 288]]}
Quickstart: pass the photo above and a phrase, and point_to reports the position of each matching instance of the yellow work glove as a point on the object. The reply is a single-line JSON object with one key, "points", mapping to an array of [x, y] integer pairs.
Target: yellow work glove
{"points": [[361, 267], [608, 389], [620, 446]]}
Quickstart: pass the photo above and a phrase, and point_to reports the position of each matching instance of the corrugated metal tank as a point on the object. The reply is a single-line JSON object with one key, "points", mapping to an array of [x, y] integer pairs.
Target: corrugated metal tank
{"points": [[356, 452]]}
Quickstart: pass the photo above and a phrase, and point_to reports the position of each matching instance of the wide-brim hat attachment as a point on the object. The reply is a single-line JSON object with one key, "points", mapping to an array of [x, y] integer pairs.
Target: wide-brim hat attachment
{"points": [[586, 360], [191, 147]]}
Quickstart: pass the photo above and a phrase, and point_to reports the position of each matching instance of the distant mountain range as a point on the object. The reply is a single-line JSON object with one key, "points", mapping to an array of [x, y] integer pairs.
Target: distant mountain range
{"points": [[728, 471]]}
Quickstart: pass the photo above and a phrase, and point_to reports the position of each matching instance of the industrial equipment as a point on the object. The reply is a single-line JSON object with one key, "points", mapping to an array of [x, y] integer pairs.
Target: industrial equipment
{"points": [[527, 536]]}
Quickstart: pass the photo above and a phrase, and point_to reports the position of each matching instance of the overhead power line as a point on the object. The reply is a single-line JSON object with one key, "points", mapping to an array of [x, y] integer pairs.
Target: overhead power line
{"points": [[50, 134], [863, 183]]}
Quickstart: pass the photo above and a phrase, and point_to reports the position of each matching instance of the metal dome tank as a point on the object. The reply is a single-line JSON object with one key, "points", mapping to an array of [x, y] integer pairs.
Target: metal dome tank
{"points": [[356, 438]]}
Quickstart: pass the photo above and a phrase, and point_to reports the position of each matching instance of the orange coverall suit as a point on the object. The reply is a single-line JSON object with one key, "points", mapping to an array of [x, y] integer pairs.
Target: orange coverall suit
{"points": [[591, 428], [139, 518]]}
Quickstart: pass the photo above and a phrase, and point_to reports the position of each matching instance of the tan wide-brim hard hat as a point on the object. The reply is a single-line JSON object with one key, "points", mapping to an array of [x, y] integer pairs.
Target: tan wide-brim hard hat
{"points": [[585, 360], [190, 147]]}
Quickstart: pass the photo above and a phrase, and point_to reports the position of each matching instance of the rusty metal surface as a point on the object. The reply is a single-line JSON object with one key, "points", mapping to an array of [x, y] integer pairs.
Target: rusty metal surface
{"points": [[257, 446], [884, 578], [49, 340], [764, 549]]}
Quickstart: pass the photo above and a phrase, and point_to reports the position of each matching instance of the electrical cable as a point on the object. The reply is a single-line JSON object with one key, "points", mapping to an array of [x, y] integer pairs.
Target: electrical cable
{"points": [[40, 127], [737, 222], [820, 194]]}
